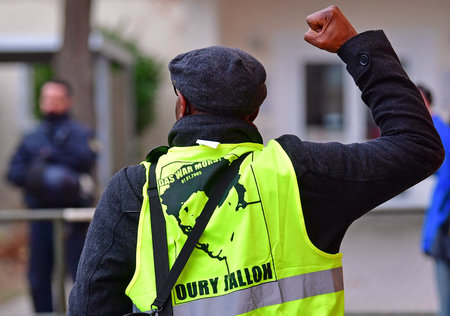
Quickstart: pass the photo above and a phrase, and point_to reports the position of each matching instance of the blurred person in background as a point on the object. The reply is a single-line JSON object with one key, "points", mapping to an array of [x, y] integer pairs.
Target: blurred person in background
{"points": [[436, 227], [52, 165]]}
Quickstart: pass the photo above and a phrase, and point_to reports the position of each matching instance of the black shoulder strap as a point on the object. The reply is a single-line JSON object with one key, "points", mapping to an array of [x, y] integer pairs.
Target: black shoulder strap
{"points": [[159, 236], [166, 280]]}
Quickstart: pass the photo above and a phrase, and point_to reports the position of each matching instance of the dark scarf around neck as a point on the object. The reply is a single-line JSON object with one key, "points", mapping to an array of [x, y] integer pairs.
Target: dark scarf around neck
{"points": [[212, 127]]}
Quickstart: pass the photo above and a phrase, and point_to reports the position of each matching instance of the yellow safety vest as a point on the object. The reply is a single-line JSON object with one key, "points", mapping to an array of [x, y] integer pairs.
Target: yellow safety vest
{"points": [[254, 257]]}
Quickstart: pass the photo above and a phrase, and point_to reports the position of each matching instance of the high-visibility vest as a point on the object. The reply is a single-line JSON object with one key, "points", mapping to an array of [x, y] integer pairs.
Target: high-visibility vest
{"points": [[254, 257]]}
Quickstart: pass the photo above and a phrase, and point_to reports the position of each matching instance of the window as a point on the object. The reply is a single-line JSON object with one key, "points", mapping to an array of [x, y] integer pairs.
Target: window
{"points": [[324, 97]]}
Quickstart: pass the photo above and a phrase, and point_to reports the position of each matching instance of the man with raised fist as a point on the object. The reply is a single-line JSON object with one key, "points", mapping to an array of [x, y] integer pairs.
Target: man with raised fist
{"points": [[272, 244]]}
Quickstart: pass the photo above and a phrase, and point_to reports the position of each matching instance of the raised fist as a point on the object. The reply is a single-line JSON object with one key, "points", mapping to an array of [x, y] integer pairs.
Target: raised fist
{"points": [[329, 29]]}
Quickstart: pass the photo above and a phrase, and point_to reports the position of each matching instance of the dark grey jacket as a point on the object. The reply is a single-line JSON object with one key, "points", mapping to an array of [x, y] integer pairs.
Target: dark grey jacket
{"points": [[338, 183]]}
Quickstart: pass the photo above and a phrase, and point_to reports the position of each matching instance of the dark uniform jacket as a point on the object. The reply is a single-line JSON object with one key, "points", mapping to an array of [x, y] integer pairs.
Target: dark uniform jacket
{"points": [[60, 143], [338, 183]]}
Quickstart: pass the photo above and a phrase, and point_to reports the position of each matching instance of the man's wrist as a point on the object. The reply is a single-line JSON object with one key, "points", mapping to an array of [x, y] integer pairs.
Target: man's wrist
{"points": [[361, 43]]}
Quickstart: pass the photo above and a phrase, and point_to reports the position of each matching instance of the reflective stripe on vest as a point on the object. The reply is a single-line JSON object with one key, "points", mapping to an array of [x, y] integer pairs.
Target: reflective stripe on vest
{"points": [[273, 293], [254, 257]]}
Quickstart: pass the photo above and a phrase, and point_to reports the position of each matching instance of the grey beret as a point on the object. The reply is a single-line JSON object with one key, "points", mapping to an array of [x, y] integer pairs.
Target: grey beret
{"points": [[220, 80]]}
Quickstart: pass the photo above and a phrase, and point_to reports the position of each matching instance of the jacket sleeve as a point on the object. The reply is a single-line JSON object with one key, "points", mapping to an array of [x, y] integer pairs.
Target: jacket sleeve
{"points": [[107, 262], [18, 166], [339, 183], [409, 149]]}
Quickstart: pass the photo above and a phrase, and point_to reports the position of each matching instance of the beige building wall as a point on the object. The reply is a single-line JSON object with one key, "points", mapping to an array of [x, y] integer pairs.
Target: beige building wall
{"points": [[252, 24], [32, 19], [163, 29], [10, 118]]}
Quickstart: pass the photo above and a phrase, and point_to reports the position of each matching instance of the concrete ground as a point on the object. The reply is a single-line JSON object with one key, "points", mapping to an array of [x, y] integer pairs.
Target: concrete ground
{"points": [[385, 272]]}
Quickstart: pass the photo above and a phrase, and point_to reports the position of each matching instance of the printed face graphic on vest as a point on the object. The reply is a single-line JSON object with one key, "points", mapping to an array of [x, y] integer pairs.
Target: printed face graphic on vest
{"points": [[222, 256], [186, 196]]}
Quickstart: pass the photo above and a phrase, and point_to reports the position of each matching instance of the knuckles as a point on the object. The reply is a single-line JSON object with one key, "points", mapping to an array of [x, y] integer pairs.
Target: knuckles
{"points": [[333, 9]]}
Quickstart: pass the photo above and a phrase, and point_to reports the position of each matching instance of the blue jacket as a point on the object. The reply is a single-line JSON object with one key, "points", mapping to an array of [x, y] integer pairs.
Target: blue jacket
{"points": [[59, 145], [437, 218]]}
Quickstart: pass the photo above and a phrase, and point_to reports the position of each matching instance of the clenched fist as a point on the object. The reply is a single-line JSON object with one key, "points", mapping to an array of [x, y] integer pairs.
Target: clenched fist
{"points": [[329, 29]]}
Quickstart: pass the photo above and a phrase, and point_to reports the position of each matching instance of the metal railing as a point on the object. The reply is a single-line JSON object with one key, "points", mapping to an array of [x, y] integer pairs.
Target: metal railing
{"points": [[58, 217]]}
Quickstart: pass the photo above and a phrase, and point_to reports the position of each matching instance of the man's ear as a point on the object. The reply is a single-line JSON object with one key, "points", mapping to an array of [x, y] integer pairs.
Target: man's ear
{"points": [[182, 107]]}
